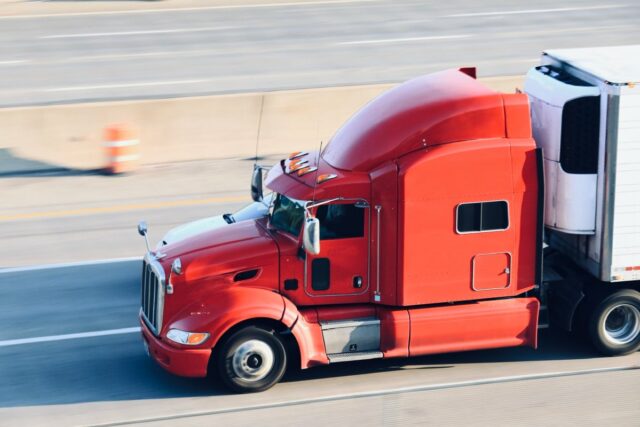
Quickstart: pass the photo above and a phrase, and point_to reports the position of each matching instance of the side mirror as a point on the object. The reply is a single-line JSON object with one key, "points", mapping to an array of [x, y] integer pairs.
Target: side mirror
{"points": [[311, 235], [142, 228], [256, 184]]}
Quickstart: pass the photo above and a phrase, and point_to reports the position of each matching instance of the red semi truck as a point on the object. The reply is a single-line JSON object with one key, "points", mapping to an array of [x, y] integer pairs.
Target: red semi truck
{"points": [[421, 228]]}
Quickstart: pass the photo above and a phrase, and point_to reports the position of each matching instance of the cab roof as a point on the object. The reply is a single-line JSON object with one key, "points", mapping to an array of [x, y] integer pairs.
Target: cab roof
{"points": [[435, 109]]}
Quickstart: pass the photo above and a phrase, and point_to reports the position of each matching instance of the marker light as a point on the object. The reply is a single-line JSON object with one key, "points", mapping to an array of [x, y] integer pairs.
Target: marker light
{"points": [[326, 177], [297, 154], [294, 166], [306, 170], [187, 338]]}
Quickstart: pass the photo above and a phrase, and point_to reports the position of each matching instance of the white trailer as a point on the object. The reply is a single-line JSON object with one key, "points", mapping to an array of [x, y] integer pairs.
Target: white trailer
{"points": [[585, 111]]}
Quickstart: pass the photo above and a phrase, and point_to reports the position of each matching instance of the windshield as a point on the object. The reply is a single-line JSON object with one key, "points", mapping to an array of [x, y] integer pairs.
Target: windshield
{"points": [[254, 210], [287, 214]]}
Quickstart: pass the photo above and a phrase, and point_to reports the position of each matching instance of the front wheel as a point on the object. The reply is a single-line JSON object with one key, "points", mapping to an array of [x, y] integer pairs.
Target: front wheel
{"points": [[614, 327], [252, 359]]}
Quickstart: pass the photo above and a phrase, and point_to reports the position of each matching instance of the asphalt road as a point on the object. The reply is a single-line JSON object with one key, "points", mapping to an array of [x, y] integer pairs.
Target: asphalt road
{"points": [[106, 379], [282, 45], [69, 217]]}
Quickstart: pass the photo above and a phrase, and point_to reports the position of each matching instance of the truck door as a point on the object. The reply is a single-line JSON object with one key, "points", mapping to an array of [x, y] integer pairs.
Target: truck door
{"points": [[342, 267]]}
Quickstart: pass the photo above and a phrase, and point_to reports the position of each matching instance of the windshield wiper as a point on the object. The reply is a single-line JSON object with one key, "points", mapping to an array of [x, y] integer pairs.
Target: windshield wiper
{"points": [[228, 218]]}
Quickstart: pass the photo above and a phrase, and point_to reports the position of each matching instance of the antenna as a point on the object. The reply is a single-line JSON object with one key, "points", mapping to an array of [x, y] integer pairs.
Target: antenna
{"points": [[255, 159], [315, 180]]}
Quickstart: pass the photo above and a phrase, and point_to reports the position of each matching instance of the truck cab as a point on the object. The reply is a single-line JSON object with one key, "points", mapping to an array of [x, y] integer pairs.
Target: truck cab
{"points": [[417, 230]]}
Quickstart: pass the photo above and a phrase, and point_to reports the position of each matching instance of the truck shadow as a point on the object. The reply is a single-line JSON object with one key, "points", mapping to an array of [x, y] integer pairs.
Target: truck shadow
{"points": [[14, 166], [116, 369]]}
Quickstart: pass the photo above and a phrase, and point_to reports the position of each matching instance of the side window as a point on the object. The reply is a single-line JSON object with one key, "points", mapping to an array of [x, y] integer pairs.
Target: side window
{"points": [[340, 221], [482, 216]]}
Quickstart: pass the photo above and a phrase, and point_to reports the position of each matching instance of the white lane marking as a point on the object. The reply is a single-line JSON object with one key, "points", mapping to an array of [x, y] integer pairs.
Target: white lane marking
{"points": [[121, 56], [65, 337], [68, 264], [562, 31], [118, 56], [190, 9], [518, 12], [125, 85], [406, 39], [15, 62], [375, 393], [136, 33]]}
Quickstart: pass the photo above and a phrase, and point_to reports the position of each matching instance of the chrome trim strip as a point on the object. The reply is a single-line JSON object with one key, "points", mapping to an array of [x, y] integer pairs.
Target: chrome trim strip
{"points": [[376, 296], [155, 304], [610, 159], [349, 323]]}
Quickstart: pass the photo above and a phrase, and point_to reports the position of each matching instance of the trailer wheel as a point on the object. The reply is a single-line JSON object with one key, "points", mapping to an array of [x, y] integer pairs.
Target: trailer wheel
{"points": [[252, 360], [614, 327]]}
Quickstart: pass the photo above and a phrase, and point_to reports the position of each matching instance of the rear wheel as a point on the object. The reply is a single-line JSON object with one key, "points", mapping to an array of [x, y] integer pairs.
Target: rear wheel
{"points": [[614, 327], [252, 359]]}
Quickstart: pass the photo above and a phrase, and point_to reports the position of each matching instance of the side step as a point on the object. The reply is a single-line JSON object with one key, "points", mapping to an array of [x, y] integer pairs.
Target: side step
{"points": [[352, 339], [358, 355]]}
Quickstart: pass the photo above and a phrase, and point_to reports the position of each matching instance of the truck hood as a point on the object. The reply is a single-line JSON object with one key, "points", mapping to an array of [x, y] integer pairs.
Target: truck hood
{"points": [[192, 228], [220, 242], [252, 211], [239, 254]]}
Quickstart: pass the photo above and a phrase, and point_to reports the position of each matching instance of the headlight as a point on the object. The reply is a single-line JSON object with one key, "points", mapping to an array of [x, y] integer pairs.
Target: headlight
{"points": [[187, 338]]}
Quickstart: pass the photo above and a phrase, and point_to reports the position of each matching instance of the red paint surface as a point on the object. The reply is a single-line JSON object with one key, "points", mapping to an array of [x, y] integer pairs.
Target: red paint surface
{"points": [[183, 362], [435, 109], [329, 313], [308, 334], [435, 262], [395, 327], [480, 325]]}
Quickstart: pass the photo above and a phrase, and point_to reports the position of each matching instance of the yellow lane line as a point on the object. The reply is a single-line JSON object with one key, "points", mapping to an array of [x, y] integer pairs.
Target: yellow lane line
{"points": [[121, 208]]}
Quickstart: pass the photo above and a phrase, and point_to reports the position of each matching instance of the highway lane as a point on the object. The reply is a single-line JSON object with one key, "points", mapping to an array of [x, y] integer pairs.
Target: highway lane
{"points": [[63, 217], [274, 46], [109, 379]]}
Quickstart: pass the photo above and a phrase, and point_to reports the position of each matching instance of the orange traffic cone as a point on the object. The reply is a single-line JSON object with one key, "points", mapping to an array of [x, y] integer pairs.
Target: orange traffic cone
{"points": [[121, 149]]}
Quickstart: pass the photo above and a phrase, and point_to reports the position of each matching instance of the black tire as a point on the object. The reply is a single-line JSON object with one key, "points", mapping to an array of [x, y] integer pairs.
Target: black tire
{"points": [[614, 325], [252, 359]]}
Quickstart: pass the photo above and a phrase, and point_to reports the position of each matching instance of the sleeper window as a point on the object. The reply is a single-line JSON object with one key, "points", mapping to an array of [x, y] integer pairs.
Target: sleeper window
{"points": [[482, 216]]}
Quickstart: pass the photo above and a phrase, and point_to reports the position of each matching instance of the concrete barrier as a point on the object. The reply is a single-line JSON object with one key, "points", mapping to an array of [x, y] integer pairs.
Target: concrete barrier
{"points": [[183, 129]]}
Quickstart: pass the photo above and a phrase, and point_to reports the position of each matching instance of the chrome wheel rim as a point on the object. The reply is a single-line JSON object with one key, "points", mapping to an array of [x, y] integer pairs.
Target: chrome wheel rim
{"points": [[252, 360], [621, 324]]}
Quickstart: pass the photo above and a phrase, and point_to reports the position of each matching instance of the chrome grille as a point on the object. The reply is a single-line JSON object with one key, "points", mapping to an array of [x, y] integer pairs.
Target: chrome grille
{"points": [[152, 295]]}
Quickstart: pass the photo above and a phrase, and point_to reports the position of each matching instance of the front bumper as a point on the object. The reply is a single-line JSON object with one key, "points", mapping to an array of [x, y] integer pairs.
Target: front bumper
{"points": [[182, 362]]}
